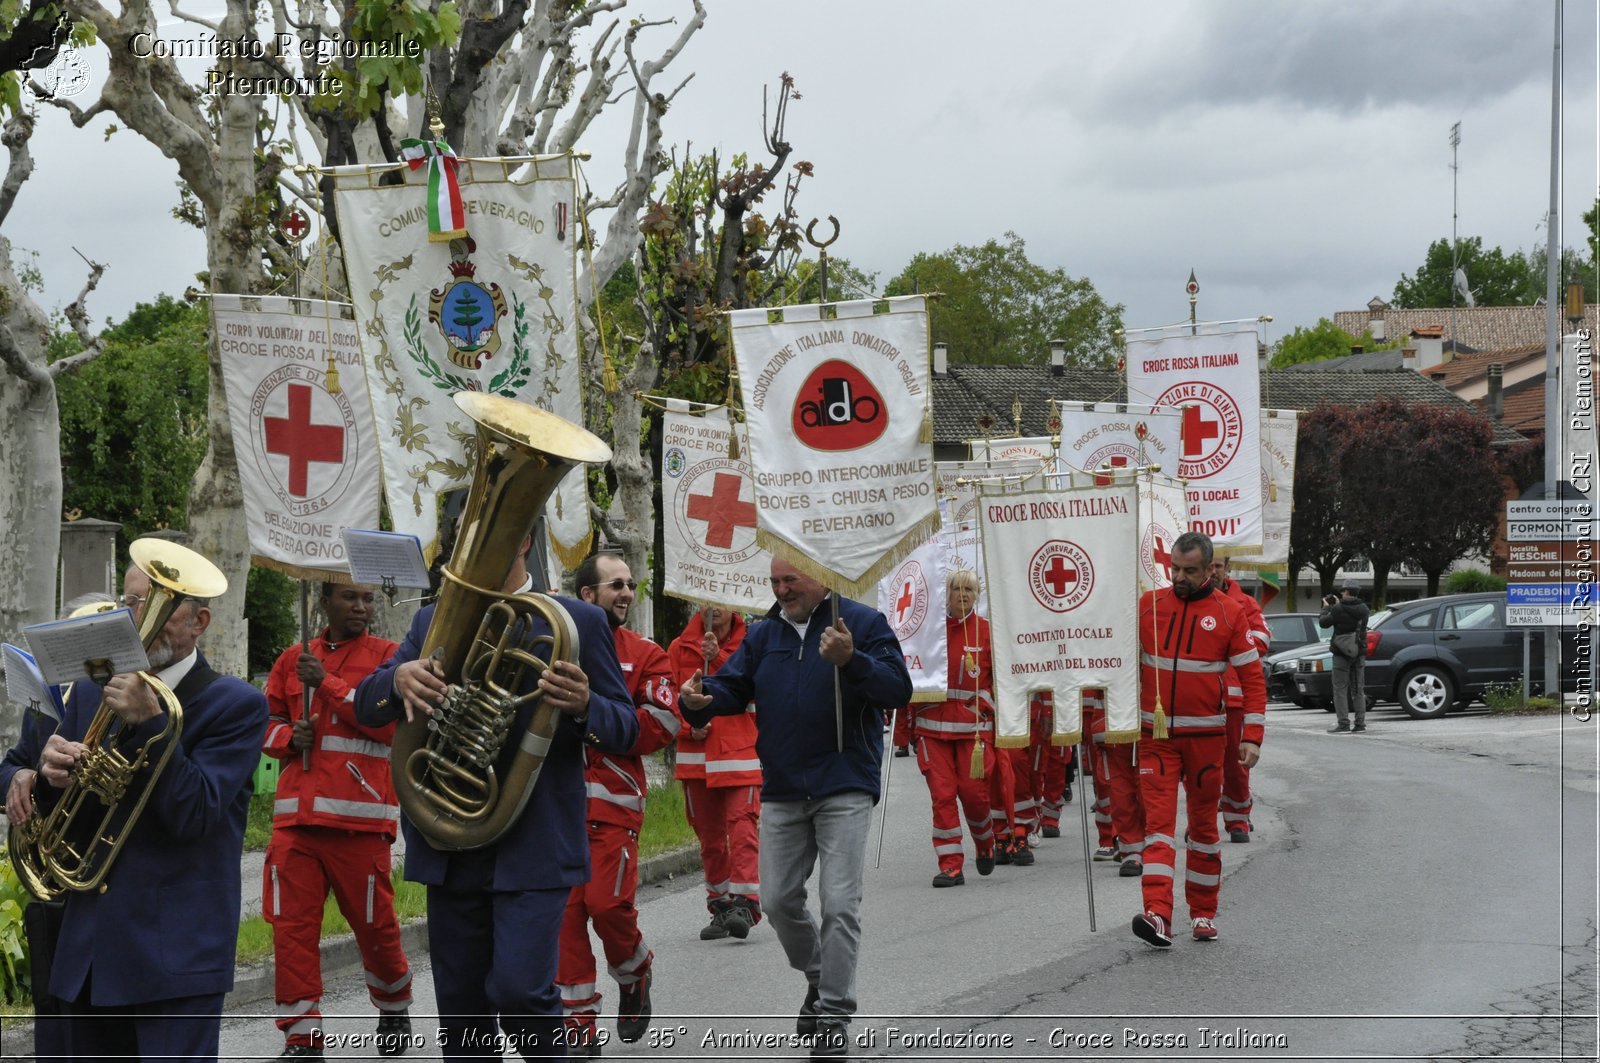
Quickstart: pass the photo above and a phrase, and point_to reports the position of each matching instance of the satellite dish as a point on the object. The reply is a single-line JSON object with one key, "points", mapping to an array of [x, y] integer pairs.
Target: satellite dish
{"points": [[1462, 289]]}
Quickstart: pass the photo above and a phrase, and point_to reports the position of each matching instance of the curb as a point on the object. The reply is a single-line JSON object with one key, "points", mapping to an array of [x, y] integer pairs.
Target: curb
{"points": [[254, 982]]}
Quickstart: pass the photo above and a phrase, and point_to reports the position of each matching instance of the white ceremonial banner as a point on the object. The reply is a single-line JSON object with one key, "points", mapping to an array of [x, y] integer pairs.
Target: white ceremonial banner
{"points": [[1280, 433], [305, 442], [1014, 448], [1111, 435], [959, 549], [708, 525], [1064, 605], [957, 482], [913, 599], [836, 398], [1214, 377], [496, 311], [1163, 516]]}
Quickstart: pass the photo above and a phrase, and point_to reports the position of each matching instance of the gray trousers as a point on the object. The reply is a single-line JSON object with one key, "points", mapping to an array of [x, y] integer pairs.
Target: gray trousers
{"points": [[1349, 689], [793, 835]]}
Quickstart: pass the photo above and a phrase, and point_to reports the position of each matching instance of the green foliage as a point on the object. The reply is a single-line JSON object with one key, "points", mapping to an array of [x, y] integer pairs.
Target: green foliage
{"points": [[666, 825], [1496, 277], [258, 823], [365, 81], [271, 601], [133, 421], [1472, 581], [1320, 341], [998, 307], [1503, 695], [15, 975]]}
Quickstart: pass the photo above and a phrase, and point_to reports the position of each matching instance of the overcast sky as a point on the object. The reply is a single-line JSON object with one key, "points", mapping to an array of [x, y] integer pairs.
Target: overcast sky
{"points": [[1295, 156]]}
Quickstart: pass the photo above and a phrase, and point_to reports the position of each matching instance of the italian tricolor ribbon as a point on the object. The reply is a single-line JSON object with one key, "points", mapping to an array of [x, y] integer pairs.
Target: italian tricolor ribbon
{"points": [[447, 218]]}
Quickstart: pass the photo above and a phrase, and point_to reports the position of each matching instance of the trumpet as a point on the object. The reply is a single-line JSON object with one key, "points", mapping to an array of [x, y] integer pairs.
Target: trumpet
{"points": [[75, 845]]}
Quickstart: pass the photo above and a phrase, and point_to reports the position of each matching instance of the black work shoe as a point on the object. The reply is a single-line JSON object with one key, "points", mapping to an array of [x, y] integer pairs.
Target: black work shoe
{"points": [[805, 1024], [902, 751], [1002, 851], [301, 1052], [1051, 832], [1339, 728], [986, 862], [738, 921], [715, 930], [831, 1041], [1066, 796], [1131, 868], [947, 877], [1239, 836], [633, 1011], [583, 1043], [394, 1033], [1022, 853], [1358, 728]]}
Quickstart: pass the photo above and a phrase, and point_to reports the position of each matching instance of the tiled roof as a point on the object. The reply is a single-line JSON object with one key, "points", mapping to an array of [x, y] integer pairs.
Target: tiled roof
{"points": [[1365, 362], [968, 391], [1522, 407], [1468, 369], [1483, 328]]}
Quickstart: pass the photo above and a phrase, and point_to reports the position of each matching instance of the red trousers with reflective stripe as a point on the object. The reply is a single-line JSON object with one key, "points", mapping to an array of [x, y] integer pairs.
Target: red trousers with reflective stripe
{"points": [[1127, 809], [947, 765], [1236, 803], [726, 819], [303, 864], [1196, 762], [1098, 768], [607, 900]]}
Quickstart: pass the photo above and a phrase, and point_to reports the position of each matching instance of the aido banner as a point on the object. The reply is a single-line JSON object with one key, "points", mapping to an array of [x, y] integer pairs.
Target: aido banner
{"points": [[836, 398]]}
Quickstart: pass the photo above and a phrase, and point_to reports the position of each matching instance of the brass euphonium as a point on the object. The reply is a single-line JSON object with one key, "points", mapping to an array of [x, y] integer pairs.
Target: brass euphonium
{"points": [[445, 766], [74, 845]]}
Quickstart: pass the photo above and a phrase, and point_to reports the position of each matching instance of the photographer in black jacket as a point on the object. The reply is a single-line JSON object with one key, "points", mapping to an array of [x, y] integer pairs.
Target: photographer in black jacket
{"points": [[1347, 616]]}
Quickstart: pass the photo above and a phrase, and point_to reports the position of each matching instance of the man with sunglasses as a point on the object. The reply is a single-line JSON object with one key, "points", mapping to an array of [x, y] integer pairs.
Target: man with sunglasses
{"points": [[616, 785]]}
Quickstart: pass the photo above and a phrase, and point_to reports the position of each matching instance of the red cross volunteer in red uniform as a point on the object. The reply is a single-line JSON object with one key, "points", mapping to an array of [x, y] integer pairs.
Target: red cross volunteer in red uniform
{"points": [[333, 824], [616, 786], [721, 777], [1236, 802], [1189, 637]]}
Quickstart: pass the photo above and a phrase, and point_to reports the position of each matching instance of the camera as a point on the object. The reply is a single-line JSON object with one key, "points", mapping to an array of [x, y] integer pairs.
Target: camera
{"points": [[1330, 599]]}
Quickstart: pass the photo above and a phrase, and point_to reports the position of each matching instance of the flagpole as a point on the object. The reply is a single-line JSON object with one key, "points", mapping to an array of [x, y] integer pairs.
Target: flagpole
{"points": [[306, 693], [1083, 813]]}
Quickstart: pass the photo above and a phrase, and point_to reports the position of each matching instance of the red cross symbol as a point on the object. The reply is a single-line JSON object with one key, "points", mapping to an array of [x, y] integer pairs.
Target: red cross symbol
{"points": [[295, 225], [722, 511], [1196, 430], [904, 602], [1059, 576], [300, 441], [1117, 461], [1159, 553]]}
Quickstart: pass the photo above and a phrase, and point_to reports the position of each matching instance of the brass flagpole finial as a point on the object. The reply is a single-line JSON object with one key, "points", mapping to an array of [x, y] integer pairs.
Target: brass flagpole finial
{"points": [[435, 123], [1016, 415]]}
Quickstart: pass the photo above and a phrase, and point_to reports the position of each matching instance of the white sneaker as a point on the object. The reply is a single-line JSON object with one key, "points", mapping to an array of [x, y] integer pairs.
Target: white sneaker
{"points": [[1034, 838]]}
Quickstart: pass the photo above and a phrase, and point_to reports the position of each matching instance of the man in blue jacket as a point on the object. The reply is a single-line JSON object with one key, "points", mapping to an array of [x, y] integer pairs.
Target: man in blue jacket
{"points": [[823, 672], [143, 965], [494, 913]]}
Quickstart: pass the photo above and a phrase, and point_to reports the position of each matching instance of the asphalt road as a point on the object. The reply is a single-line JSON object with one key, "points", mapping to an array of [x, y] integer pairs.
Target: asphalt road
{"points": [[1424, 891]]}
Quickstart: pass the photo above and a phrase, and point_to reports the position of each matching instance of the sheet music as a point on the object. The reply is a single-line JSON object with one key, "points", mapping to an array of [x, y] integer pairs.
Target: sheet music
{"points": [[62, 646], [378, 555], [25, 686]]}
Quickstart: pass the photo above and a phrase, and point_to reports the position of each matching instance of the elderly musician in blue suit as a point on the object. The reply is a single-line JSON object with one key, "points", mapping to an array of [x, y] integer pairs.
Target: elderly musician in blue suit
{"points": [[142, 967], [494, 913]]}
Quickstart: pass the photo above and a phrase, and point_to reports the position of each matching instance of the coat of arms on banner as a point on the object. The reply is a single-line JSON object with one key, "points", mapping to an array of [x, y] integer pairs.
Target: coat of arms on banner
{"points": [[490, 306]]}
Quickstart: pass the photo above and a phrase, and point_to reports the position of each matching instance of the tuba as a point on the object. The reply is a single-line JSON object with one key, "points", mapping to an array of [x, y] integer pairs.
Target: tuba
{"points": [[75, 844], [446, 770]]}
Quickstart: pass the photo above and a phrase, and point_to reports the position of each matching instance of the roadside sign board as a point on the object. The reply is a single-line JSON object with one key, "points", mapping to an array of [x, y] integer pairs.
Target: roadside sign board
{"points": [[1546, 616]]}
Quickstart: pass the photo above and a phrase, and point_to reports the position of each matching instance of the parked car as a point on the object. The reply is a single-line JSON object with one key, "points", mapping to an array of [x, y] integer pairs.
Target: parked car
{"points": [[1292, 630], [1432, 654], [1282, 671]]}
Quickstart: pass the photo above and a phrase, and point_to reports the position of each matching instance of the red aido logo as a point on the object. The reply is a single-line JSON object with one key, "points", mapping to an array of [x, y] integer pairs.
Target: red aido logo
{"points": [[838, 409]]}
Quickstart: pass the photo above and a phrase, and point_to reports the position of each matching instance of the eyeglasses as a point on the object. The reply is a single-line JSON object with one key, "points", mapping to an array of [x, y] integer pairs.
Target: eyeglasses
{"points": [[617, 584], [132, 601]]}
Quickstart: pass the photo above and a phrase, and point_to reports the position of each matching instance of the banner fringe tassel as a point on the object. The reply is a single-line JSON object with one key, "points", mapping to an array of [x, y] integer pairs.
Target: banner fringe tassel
{"points": [[1159, 728], [865, 584], [571, 556]]}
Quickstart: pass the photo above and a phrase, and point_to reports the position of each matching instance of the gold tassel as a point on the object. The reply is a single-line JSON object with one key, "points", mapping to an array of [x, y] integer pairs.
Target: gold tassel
{"points": [[608, 376], [976, 770], [733, 441], [927, 426], [330, 380], [1158, 728]]}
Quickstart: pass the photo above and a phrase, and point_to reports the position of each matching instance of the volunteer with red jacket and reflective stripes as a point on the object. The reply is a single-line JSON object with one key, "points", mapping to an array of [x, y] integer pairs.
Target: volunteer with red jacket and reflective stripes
{"points": [[721, 778], [333, 824], [1236, 802], [616, 787], [1189, 636], [945, 734]]}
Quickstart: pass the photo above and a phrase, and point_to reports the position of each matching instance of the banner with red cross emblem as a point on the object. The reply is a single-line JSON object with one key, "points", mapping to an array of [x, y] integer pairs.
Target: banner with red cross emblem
{"points": [[1097, 437], [1064, 597], [1280, 433], [837, 400], [305, 443], [1213, 376], [1163, 516], [494, 309], [708, 529], [913, 599], [1015, 448]]}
